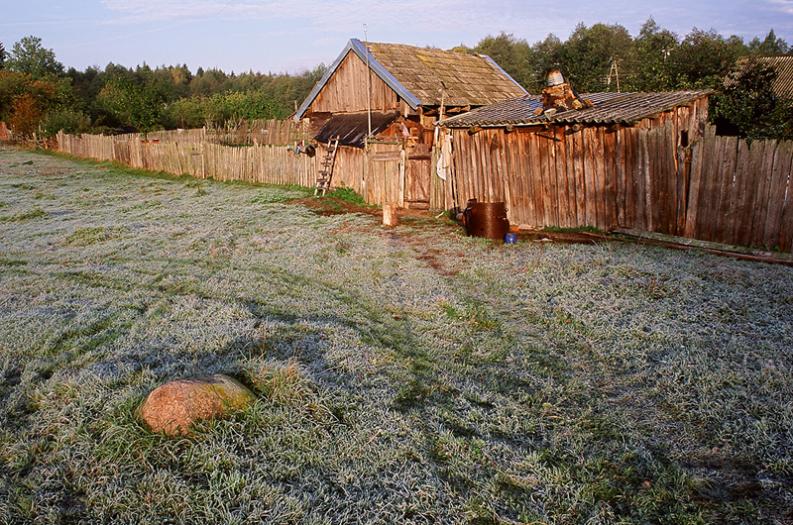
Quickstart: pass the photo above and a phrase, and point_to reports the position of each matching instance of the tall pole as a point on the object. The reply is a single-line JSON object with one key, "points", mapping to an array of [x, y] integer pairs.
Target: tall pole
{"points": [[617, 72], [368, 112], [368, 84]]}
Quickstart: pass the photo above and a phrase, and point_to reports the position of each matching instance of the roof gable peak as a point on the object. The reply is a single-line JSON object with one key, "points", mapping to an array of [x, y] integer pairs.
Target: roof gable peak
{"points": [[359, 48]]}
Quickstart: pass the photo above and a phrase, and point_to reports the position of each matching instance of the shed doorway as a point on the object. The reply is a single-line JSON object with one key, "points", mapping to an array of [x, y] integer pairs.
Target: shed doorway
{"points": [[417, 177]]}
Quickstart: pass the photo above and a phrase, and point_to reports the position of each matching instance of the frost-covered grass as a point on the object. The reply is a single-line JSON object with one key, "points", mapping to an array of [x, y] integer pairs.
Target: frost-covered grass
{"points": [[404, 376]]}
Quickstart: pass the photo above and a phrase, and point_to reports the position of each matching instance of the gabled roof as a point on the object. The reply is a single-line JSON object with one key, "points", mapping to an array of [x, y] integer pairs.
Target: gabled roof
{"points": [[783, 85], [609, 108], [416, 73]]}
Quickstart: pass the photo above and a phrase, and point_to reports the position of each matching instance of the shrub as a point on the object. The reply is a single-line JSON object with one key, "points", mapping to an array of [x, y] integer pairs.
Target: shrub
{"points": [[747, 106], [25, 115], [68, 120]]}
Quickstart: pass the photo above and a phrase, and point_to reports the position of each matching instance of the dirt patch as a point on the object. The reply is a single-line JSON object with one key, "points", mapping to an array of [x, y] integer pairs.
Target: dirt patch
{"points": [[326, 206], [439, 260]]}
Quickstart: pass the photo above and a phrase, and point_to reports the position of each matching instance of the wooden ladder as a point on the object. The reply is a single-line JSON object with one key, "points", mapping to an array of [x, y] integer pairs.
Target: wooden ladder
{"points": [[326, 169]]}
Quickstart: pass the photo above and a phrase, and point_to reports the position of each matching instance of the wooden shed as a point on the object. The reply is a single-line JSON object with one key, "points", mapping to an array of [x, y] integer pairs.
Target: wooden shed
{"points": [[624, 162], [405, 90]]}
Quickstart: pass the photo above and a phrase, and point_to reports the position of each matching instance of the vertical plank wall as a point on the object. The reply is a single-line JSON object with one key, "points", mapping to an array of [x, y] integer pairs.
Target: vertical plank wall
{"points": [[644, 177]]}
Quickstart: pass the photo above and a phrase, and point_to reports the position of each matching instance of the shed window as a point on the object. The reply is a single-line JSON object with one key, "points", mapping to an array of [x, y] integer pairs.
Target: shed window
{"points": [[684, 138]]}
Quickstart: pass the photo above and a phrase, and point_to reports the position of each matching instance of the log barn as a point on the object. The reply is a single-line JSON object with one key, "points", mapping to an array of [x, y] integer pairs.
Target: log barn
{"points": [[623, 160], [404, 90]]}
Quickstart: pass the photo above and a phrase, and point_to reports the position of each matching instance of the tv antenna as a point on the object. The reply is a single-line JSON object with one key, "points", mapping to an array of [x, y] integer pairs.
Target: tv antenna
{"points": [[614, 72]]}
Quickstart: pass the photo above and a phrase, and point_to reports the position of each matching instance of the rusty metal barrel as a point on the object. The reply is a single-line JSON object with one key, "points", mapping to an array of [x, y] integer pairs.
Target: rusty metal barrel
{"points": [[486, 219]]}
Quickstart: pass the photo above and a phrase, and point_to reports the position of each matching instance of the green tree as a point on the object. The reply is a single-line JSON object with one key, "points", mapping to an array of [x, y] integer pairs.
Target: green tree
{"points": [[704, 58], [770, 46], [68, 120], [654, 46], [512, 54], [745, 105], [2, 56], [589, 53], [545, 55], [12, 85], [132, 105], [29, 56], [185, 113]]}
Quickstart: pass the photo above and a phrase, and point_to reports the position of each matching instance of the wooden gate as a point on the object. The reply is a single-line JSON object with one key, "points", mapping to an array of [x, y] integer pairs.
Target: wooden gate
{"points": [[417, 177], [383, 174]]}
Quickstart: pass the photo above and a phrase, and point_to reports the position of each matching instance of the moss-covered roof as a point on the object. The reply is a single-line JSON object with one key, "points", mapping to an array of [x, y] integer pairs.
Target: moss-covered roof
{"points": [[418, 75], [469, 79]]}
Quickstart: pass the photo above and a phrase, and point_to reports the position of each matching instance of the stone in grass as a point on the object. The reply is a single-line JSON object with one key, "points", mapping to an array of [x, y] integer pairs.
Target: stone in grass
{"points": [[173, 407]]}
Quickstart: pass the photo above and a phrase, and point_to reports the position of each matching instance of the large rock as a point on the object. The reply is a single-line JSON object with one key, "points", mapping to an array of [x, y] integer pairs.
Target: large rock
{"points": [[173, 407]]}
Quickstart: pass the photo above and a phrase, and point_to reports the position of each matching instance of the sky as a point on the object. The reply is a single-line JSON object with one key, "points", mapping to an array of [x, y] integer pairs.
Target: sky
{"points": [[295, 35]]}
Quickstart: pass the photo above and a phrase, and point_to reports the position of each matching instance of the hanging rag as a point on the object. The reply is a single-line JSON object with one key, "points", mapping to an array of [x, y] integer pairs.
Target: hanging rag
{"points": [[445, 157]]}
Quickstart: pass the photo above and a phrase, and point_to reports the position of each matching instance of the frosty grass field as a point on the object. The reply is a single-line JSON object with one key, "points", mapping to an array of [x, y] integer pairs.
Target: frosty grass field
{"points": [[403, 376]]}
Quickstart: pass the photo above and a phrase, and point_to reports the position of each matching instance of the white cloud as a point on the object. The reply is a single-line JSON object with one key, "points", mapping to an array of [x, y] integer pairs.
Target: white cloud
{"points": [[784, 6], [343, 16], [307, 10]]}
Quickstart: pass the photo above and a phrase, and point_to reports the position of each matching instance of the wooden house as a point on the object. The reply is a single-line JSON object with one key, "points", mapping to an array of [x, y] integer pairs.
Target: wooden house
{"points": [[399, 92], [624, 162]]}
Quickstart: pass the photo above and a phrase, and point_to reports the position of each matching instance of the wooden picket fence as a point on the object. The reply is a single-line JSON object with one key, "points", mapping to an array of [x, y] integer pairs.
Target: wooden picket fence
{"points": [[262, 164]]}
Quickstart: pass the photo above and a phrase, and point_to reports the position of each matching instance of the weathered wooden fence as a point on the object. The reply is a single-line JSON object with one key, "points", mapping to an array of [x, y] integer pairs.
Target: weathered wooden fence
{"points": [[376, 175], [263, 164], [740, 193], [716, 188]]}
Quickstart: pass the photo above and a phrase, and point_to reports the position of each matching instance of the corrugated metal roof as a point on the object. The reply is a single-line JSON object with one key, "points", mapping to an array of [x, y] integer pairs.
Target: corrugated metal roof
{"points": [[609, 108], [783, 85], [415, 74], [352, 128]]}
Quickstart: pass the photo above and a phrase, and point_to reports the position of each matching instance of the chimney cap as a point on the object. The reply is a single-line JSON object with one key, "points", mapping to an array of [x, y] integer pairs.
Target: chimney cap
{"points": [[554, 77]]}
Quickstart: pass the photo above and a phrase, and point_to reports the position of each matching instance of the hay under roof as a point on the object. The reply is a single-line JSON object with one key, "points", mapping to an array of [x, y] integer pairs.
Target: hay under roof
{"points": [[609, 108], [418, 75], [470, 79]]}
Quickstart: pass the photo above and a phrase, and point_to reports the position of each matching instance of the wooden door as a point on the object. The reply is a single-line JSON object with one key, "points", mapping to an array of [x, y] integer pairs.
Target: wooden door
{"points": [[417, 177]]}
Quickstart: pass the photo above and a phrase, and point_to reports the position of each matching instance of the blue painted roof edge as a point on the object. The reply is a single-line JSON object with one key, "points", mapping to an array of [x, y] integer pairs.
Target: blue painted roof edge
{"points": [[359, 48], [501, 70]]}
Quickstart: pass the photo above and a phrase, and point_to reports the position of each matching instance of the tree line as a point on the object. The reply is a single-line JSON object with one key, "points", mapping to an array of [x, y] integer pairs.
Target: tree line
{"points": [[605, 57], [37, 93]]}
